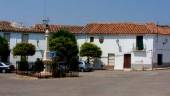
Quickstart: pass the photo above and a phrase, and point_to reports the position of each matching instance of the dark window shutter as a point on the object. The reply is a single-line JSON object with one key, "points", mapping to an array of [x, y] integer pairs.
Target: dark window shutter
{"points": [[139, 43]]}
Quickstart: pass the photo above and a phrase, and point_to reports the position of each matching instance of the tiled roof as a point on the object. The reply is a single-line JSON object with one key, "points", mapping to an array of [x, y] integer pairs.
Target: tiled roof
{"points": [[7, 27], [55, 28], [159, 29], [164, 30], [93, 28], [116, 28]]}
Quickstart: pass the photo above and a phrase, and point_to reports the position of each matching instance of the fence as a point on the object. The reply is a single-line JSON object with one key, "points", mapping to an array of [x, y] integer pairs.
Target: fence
{"points": [[59, 70]]}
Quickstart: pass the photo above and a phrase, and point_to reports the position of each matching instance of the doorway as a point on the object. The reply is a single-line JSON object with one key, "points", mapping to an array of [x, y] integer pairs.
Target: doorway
{"points": [[160, 59], [127, 61], [111, 59]]}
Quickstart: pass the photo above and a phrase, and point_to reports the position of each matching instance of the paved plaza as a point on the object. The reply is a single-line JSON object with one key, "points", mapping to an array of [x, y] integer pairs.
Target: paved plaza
{"points": [[97, 83]]}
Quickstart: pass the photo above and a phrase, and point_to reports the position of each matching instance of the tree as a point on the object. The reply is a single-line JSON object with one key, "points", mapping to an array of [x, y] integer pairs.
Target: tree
{"points": [[90, 50], [65, 44], [63, 33], [4, 49], [23, 50], [38, 66]]}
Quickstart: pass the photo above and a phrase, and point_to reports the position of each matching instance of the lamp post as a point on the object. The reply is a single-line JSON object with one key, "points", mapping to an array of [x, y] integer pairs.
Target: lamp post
{"points": [[45, 56], [46, 50]]}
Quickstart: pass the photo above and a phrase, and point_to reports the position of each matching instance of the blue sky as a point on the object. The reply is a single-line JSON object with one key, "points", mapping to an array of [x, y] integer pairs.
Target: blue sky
{"points": [[80, 12]]}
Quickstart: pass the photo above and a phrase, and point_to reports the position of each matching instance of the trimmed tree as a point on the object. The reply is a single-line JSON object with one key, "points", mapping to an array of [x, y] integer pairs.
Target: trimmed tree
{"points": [[63, 33], [90, 51], [23, 50], [4, 49], [38, 66], [65, 44]]}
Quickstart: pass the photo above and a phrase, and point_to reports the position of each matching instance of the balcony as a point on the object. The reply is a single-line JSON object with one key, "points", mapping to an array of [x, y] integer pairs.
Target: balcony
{"points": [[137, 49]]}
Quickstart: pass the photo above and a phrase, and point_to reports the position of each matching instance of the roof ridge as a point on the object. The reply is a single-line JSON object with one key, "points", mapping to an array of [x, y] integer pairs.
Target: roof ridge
{"points": [[58, 25], [134, 23]]}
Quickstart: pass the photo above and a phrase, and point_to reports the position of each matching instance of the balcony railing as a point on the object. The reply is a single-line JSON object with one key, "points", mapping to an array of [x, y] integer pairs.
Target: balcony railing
{"points": [[136, 49]]}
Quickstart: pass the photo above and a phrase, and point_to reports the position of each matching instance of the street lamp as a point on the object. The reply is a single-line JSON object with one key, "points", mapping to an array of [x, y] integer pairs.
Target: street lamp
{"points": [[46, 58], [45, 23]]}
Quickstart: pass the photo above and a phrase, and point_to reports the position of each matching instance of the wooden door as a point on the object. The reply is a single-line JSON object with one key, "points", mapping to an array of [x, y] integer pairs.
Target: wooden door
{"points": [[127, 61]]}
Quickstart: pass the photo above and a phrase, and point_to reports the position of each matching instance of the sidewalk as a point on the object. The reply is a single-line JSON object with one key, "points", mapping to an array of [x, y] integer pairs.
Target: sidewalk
{"points": [[161, 68]]}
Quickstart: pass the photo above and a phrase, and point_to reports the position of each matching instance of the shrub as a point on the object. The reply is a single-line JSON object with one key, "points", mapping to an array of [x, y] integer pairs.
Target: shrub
{"points": [[38, 66], [23, 65]]}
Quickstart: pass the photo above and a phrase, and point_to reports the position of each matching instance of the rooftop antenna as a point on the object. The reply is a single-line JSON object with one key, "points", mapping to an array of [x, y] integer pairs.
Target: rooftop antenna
{"points": [[44, 8], [45, 20]]}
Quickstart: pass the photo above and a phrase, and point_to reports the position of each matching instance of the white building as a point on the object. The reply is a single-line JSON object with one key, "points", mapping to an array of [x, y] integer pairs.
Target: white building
{"points": [[123, 45]]}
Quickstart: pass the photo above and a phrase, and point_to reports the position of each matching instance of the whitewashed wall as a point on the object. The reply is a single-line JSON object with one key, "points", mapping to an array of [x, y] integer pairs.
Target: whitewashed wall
{"points": [[139, 59], [14, 39], [126, 42], [144, 60], [162, 46], [37, 39]]}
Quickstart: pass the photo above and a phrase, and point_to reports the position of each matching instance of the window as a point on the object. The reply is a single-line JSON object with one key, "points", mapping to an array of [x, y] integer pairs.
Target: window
{"points": [[139, 43], [7, 36], [101, 39], [25, 38], [91, 39]]}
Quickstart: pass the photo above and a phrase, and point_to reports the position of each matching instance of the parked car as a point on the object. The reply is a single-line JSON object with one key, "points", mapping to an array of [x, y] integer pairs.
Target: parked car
{"points": [[85, 67], [4, 68], [62, 66]]}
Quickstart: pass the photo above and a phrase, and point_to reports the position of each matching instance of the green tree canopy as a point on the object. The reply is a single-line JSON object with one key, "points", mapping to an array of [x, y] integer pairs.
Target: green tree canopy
{"points": [[24, 49], [64, 42], [63, 33], [4, 49], [65, 45], [90, 50]]}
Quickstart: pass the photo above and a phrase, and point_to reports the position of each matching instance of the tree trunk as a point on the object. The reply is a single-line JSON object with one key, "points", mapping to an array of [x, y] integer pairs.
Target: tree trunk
{"points": [[88, 59]]}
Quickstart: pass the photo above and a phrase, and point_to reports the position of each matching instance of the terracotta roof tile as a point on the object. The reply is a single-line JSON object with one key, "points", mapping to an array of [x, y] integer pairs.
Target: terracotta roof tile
{"points": [[159, 29], [164, 30], [93, 28], [7, 27], [116, 28], [55, 28]]}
